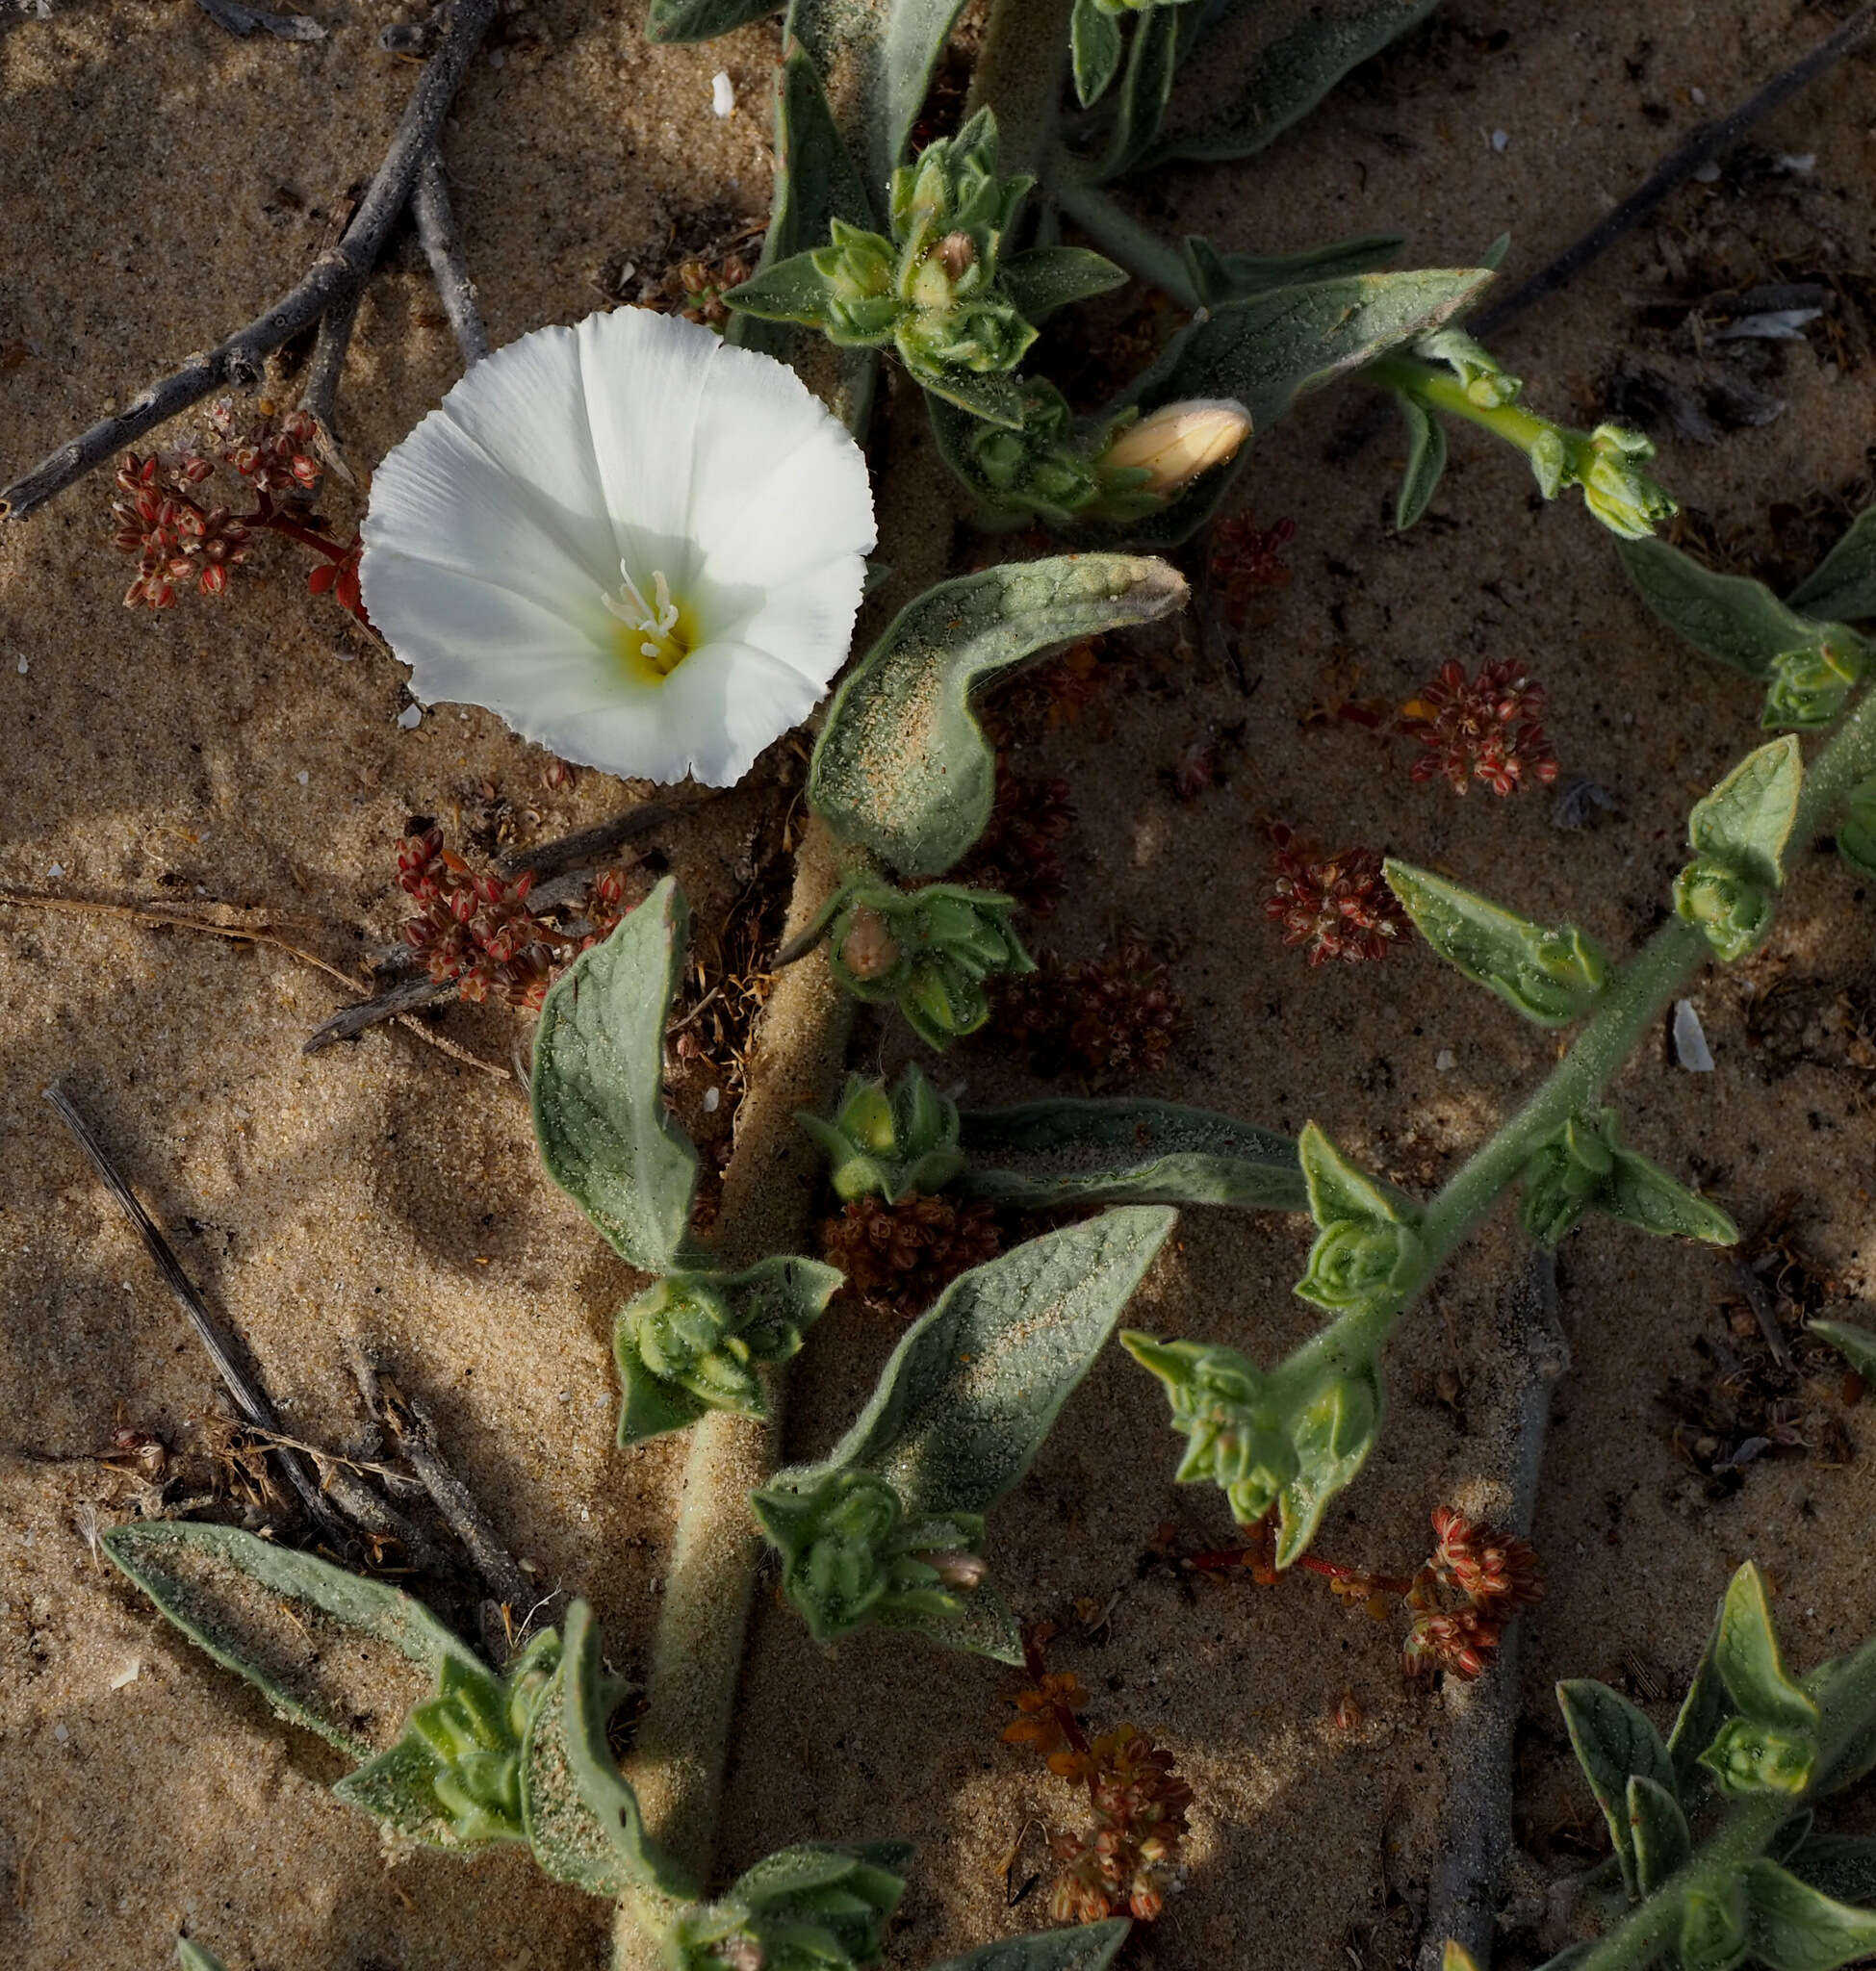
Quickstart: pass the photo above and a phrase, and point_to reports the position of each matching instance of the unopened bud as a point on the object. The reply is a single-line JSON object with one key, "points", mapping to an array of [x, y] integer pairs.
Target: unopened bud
{"points": [[956, 254], [1179, 442], [868, 951]]}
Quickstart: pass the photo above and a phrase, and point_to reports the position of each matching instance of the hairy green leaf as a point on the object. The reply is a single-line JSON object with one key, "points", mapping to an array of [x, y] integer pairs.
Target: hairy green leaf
{"points": [[1332, 1429], [1640, 1192], [1856, 829], [1552, 976], [1797, 1928], [1856, 1343], [1266, 351], [1842, 586], [790, 291], [1050, 278], [1042, 1154], [1613, 1742], [1289, 75], [1657, 1832], [1095, 43], [902, 768], [1338, 1190], [1729, 618], [1841, 1866], [1746, 821], [1221, 277], [202, 1576], [967, 1396], [1145, 88], [816, 1907], [1088, 1947], [1703, 1711], [1425, 461], [703, 20], [1746, 1656], [192, 1957], [598, 1087]]}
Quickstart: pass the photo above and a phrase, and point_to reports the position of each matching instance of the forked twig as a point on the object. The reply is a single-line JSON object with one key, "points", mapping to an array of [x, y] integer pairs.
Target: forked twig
{"points": [[332, 278], [436, 229], [1702, 148]]}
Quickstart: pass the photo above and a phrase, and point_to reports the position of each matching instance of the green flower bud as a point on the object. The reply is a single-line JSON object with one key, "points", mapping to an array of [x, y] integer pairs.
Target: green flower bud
{"points": [[1750, 1757], [813, 1907], [1565, 1177], [888, 1143], [1356, 1263], [1714, 1932], [1486, 381], [1810, 686], [682, 1331], [856, 269], [1235, 1426], [471, 1731], [1627, 501], [1735, 911]]}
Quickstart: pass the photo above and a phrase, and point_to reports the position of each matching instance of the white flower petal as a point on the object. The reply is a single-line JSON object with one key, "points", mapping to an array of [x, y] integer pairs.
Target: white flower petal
{"points": [[806, 623]]}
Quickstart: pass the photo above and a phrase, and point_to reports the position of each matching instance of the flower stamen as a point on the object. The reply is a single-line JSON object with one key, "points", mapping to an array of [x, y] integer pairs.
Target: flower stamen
{"points": [[656, 633]]}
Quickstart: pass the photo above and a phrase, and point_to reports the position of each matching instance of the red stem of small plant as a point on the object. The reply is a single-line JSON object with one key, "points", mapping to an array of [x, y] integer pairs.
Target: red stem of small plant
{"points": [[268, 515]]}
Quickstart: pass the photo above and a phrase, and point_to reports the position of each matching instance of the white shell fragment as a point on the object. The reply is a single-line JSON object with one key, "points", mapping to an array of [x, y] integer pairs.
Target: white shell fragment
{"points": [[723, 95], [1690, 1048]]}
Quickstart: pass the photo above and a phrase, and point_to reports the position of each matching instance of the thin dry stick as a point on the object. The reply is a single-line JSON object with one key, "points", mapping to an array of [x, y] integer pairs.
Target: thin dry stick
{"points": [[250, 1398], [1473, 1836], [1705, 143], [239, 931], [318, 393], [332, 278], [436, 228]]}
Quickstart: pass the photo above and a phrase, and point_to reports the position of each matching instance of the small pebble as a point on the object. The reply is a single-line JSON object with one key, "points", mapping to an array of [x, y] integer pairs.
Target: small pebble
{"points": [[1501, 139], [129, 1673], [1699, 97], [411, 717], [61, 1732], [1445, 1060], [302, 776], [24, 666], [711, 1098], [1690, 1048], [723, 95]]}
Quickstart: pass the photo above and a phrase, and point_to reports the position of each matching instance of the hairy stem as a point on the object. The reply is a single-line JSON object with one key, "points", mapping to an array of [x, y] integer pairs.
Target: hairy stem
{"points": [[1019, 77], [1137, 248]]}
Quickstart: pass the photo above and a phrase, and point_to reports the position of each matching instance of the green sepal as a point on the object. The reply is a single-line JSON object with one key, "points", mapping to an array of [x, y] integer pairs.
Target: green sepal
{"points": [[1221, 277], [1338, 1189], [1485, 380], [1614, 1742], [1856, 1343], [1746, 1654], [927, 951], [1045, 278], [1427, 455], [1810, 687], [1045, 468], [1086, 1947], [1747, 1757], [1738, 834], [1368, 1249], [1657, 1832], [1797, 1928], [1584, 1167], [1126, 1151], [920, 806], [1293, 1437], [1552, 976], [693, 1343], [1095, 43], [598, 1086], [792, 290], [1715, 1927], [1842, 586], [1856, 829], [884, 1142], [815, 1906]]}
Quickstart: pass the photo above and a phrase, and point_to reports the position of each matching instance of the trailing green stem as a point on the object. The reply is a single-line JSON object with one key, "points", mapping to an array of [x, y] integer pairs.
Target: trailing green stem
{"points": [[1137, 248]]}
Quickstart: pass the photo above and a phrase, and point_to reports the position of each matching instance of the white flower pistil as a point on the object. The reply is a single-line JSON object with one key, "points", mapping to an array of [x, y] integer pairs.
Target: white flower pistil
{"points": [[655, 630]]}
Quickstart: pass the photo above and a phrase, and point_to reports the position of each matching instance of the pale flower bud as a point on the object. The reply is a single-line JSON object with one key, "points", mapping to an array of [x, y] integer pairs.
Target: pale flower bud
{"points": [[1179, 442]]}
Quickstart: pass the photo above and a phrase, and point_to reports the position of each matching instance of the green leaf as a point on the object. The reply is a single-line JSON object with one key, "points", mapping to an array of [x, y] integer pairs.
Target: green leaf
{"points": [[1657, 1832], [703, 20], [913, 38], [902, 768], [1041, 1154], [581, 1817], [1640, 1192], [1746, 1656], [1286, 78], [1552, 976], [1729, 618], [1425, 461], [1221, 277], [792, 290], [1856, 829], [598, 1087], [1703, 1711], [1842, 586], [1796, 1927], [1715, 1929], [885, 1142], [1050, 278], [1332, 1430], [998, 400], [1088, 1947], [1856, 1343], [1583, 1167], [1614, 1743], [192, 1957], [1746, 821], [1338, 1190], [1139, 107], [815, 1906], [203, 1578], [818, 181], [1841, 1866], [1266, 351], [1094, 41], [691, 1343], [971, 1390]]}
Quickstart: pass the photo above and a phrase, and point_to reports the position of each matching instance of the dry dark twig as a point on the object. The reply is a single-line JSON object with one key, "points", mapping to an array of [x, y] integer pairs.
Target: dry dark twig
{"points": [[333, 276], [595, 843], [1474, 1837], [250, 1399], [436, 228], [1705, 143], [319, 395], [243, 20]]}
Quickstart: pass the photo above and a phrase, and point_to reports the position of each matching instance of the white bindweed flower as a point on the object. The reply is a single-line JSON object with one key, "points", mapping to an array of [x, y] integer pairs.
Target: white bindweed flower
{"points": [[642, 547]]}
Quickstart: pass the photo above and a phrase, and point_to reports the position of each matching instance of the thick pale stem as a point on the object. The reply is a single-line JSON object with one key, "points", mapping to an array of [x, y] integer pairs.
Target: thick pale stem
{"points": [[1442, 391], [1019, 76]]}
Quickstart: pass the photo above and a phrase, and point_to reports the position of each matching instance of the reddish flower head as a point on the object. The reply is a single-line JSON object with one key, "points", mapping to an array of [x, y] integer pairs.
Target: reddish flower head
{"points": [[1486, 729], [1341, 907]]}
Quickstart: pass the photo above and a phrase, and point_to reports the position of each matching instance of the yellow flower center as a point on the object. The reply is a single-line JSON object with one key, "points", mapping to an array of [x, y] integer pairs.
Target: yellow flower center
{"points": [[653, 638]]}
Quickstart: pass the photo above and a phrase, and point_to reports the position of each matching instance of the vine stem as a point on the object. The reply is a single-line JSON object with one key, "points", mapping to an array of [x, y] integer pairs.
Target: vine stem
{"points": [[1137, 248]]}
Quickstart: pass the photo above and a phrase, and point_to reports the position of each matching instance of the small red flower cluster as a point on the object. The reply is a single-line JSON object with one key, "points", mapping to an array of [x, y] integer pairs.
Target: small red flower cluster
{"points": [[1139, 1804], [1341, 907], [269, 455], [1495, 1573], [476, 928], [176, 539], [1487, 729], [1246, 559]]}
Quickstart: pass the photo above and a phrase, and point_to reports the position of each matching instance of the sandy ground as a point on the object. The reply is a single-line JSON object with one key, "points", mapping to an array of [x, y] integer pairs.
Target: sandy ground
{"points": [[163, 182]]}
